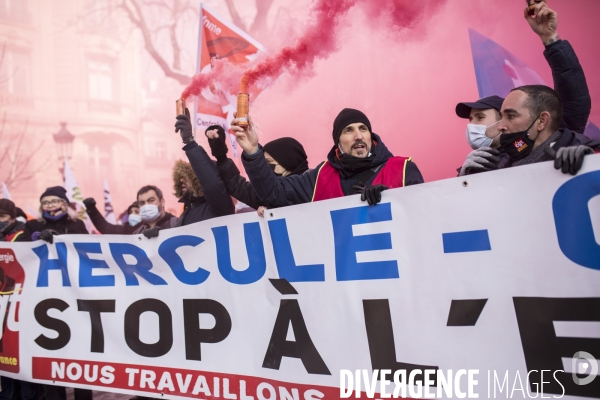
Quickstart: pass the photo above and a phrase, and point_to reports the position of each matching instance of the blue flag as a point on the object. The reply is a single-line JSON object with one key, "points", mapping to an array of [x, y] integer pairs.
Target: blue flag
{"points": [[498, 71]]}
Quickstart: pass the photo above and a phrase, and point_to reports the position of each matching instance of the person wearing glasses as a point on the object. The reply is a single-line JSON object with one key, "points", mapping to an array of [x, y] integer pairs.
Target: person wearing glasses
{"points": [[56, 218]]}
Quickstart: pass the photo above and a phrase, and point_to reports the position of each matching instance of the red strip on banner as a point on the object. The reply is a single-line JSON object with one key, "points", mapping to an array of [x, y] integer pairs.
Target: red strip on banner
{"points": [[173, 381]]}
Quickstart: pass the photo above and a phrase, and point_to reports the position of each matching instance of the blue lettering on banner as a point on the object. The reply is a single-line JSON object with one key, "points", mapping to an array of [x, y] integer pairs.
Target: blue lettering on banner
{"points": [[466, 242], [168, 252], [284, 257], [254, 248], [86, 265], [573, 220], [347, 245], [142, 266], [46, 264]]}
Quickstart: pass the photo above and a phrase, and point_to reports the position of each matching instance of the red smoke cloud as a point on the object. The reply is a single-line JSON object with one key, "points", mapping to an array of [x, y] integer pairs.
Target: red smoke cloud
{"points": [[318, 41]]}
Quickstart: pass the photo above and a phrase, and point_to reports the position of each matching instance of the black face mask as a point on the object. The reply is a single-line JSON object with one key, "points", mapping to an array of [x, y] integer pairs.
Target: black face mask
{"points": [[517, 145]]}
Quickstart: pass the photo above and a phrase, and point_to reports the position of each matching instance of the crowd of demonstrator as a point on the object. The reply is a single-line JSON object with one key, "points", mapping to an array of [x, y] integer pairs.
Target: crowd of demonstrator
{"points": [[532, 124]]}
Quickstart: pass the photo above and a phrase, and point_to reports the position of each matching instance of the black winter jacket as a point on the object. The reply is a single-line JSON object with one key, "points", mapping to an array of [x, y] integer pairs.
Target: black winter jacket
{"points": [[237, 186], [217, 201], [63, 226], [298, 189], [105, 227], [13, 228], [570, 84]]}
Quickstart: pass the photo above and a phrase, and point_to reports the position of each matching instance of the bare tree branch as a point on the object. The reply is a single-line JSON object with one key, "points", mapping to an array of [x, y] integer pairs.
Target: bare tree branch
{"points": [[259, 27], [136, 16], [235, 16]]}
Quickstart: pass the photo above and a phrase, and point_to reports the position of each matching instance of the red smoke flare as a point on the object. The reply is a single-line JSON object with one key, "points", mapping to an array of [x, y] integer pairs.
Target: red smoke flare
{"points": [[317, 42]]}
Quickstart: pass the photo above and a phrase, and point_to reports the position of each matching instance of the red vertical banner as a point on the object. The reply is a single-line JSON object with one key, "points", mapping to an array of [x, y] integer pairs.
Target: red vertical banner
{"points": [[12, 278], [219, 39]]}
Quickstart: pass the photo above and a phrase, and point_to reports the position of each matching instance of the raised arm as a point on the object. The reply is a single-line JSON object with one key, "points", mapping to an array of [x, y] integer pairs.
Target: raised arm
{"points": [[567, 72], [205, 169]]}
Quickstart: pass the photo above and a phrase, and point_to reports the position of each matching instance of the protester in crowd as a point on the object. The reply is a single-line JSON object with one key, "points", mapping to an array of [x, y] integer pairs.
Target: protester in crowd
{"points": [[483, 134], [530, 130], [105, 227], [208, 198], [358, 162], [56, 218], [285, 156], [10, 228], [134, 211], [153, 215]]}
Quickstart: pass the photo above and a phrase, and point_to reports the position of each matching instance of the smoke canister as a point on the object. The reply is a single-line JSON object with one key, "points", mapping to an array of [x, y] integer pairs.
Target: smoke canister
{"points": [[243, 100], [180, 107]]}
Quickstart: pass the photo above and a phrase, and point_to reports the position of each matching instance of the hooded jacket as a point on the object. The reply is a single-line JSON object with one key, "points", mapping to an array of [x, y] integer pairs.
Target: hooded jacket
{"points": [[209, 197], [298, 189]]}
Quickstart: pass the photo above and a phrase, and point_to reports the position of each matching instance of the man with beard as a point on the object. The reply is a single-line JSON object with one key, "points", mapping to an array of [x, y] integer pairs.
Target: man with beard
{"points": [[359, 162], [152, 212], [483, 133]]}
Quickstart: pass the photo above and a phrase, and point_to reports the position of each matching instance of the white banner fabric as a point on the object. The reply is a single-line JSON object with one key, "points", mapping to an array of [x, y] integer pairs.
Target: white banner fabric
{"points": [[497, 272]]}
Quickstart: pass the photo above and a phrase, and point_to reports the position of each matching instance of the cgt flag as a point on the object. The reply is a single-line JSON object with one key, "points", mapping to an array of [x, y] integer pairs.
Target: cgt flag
{"points": [[218, 39], [498, 71], [109, 213]]}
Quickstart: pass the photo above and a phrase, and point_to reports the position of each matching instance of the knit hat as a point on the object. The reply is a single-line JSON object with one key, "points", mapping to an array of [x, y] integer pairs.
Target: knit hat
{"points": [[289, 153], [8, 207], [57, 191], [346, 117]]}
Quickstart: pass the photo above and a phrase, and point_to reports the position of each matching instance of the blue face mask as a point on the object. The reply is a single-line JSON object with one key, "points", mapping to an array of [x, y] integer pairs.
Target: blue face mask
{"points": [[134, 219], [476, 135], [3, 226]]}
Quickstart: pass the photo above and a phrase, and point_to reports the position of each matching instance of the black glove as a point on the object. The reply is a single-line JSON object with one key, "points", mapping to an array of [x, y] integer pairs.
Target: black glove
{"points": [[184, 126], [372, 194], [47, 235], [89, 203], [151, 232], [480, 160], [570, 159], [218, 148]]}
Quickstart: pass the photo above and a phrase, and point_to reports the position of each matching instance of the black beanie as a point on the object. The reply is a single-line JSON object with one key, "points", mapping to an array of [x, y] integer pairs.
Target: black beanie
{"points": [[57, 191], [289, 153], [219, 128], [346, 117], [8, 207]]}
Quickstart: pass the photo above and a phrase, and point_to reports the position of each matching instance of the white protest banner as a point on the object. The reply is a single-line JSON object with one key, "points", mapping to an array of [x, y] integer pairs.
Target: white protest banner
{"points": [[491, 281]]}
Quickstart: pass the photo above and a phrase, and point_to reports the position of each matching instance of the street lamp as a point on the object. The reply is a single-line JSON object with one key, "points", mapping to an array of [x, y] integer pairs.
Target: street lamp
{"points": [[64, 140]]}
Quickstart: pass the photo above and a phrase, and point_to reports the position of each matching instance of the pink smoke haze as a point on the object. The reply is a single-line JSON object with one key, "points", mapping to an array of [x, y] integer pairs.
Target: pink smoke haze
{"points": [[318, 41]]}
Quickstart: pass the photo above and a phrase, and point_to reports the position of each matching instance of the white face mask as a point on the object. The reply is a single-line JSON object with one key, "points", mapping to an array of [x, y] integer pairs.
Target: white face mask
{"points": [[476, 135], [134, 219], [149, 212]]}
